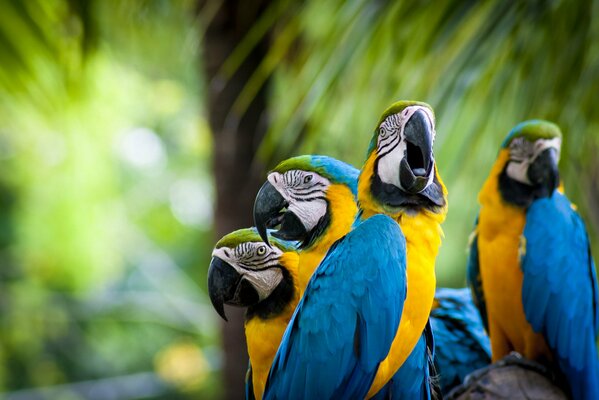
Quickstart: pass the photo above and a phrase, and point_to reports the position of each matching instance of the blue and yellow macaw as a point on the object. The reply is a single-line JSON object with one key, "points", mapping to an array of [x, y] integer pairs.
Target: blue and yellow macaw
{"points": [[400, 179], [462, 346], [245, 272], [533, 271], [332, 325], [313, 199]]}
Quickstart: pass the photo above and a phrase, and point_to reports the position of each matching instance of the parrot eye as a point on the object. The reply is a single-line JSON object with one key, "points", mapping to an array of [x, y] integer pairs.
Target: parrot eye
{"points": [[307, 178], [261, 250], [521, 149], [383, 133]]}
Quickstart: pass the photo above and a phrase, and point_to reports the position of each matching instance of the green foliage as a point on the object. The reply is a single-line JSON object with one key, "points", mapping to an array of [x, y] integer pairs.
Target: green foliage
{"points": [[105, 201], [483, 66]]}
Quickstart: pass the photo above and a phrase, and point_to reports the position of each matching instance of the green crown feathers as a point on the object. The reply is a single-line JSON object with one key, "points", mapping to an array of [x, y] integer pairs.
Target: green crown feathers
{"points": [[532, 130]]}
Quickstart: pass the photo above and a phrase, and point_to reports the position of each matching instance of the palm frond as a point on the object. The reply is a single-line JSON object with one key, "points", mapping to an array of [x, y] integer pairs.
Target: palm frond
{"points": [[484, 66]]}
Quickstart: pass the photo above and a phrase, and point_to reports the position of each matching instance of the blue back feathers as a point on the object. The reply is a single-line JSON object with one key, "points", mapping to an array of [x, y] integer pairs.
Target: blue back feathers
{"points": [[462, 344], [559, 292], [345, 323], [413, 379], [249, 384]]}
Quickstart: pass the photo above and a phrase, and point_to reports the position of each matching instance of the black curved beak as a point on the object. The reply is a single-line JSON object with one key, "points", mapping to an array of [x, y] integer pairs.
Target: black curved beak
{"points": [[544, 173], [417, 164], [227, 286], [267, 209], [269, 212]]}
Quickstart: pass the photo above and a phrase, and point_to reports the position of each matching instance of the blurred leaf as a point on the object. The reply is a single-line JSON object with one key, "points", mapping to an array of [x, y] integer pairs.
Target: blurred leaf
{"points": [[483, 66]]}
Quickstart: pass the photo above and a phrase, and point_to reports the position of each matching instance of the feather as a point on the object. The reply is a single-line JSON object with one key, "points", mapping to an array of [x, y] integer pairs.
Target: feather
{"points": [[325, 356], [473, 277], [462, 345], [560, 290], [411, 381]]}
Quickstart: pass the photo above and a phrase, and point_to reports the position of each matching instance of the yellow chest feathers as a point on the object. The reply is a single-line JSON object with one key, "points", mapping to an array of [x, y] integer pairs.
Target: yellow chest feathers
{"points": [[498, 217], [500, 224], [343, 209], [423, 238], [263, 336], [500, 245]]}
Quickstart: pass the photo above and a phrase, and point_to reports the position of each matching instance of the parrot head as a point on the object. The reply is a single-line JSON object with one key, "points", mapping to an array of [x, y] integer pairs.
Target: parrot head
{"points": [[297, 197], [244, 272], [399, 174], [530, 154]]}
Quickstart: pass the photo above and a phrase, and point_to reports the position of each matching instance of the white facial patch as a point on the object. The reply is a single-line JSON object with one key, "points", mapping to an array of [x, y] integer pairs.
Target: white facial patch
{"points": [[523, 153], [391, 144], [305, 192], [254, 262]]}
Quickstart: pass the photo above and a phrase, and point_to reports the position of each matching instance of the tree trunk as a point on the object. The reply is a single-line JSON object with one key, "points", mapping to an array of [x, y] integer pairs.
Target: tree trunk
{"points": [[236, 138]]}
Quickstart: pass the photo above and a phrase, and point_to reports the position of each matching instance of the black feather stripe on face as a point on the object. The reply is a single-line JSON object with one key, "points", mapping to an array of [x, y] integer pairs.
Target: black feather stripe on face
{"points": [[316, 188], [245, 255], [306, 199], [276, 302], [389, 137]]}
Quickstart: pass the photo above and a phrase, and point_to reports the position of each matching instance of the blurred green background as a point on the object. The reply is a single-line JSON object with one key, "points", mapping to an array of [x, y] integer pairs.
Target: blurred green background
{"points": [[134, 133]]}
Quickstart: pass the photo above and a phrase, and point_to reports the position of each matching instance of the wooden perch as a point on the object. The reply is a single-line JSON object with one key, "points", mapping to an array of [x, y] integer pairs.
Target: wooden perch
{"points": [[512, 377]]}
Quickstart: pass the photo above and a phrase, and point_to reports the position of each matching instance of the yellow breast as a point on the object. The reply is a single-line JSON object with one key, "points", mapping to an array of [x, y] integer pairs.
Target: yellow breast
{"points": [[343, 210], [263, 336], [500, 227]]}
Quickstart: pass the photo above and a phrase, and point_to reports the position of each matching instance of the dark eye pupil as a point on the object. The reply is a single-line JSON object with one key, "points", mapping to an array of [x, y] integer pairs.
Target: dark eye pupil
{"points": [[307, 178]]}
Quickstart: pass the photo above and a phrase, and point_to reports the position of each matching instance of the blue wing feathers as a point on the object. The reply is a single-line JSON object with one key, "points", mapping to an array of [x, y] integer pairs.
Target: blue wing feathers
{"points": [[411, 381], [462, 345], [345, 323], [559, 290], [249, 385], [593, 275]]}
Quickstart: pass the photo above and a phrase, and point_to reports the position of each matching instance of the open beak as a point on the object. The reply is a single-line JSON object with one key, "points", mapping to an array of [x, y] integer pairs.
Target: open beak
{"points": [[417, 165], [543, 171], [270, 210], [227, 286]]}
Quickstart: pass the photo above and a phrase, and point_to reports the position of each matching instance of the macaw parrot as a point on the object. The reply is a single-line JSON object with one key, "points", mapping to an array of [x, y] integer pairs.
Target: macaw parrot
{"points": [[313, 198], [245, 272], [532, 273], [399, 179], [461, 343]]}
